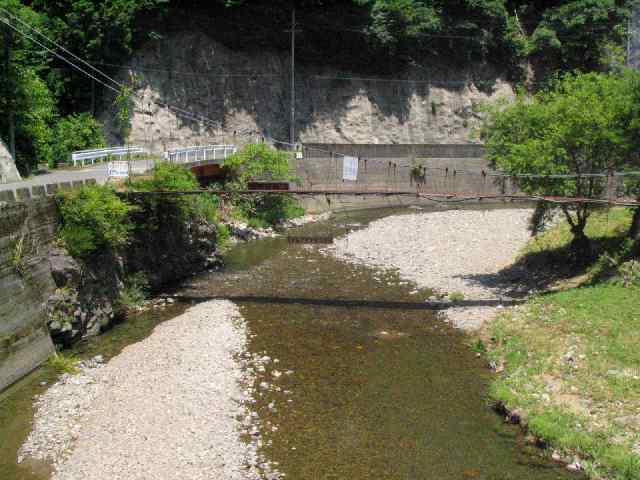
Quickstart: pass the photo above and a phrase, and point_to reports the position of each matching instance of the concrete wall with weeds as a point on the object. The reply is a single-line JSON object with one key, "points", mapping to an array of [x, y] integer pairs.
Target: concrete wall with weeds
{"points": [[26, 232]]}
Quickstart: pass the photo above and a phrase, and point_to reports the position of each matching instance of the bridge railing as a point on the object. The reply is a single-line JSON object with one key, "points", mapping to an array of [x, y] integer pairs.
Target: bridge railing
{"points": [[82, 157], [202, 153]]}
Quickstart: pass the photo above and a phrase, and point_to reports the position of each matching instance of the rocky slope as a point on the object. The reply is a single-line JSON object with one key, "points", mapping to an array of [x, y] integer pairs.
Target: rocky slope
{"points": [[247, 93], [8, 170]]}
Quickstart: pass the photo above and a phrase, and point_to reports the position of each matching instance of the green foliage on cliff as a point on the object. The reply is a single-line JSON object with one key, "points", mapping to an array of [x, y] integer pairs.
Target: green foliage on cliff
{"points": [[94, 218]]}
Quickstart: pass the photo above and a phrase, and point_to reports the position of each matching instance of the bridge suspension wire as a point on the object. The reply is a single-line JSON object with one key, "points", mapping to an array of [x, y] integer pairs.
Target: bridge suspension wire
{"points": [[435, 197]]}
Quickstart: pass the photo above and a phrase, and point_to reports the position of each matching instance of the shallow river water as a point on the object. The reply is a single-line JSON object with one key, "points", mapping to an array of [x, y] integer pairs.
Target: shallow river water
{"points": [[374, 385]]}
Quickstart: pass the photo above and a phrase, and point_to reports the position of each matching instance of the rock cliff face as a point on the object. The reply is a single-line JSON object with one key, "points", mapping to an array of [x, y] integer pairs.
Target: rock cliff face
{"points": [[8, 170], [247, 93]]}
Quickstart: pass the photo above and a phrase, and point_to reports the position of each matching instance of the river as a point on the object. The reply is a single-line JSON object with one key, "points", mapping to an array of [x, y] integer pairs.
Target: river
{"points": [[374, 384]]}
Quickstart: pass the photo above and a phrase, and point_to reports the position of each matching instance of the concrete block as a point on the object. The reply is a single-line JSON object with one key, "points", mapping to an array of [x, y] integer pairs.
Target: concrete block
{"points": [[7, 196], [77, 184], [38, 191], [52, 188], [64, 186], [23, 194], [90, 181]]}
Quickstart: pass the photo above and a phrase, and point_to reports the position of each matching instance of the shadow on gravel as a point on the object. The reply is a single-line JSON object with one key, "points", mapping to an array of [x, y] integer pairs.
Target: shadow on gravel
{"points": [[352, 303]]}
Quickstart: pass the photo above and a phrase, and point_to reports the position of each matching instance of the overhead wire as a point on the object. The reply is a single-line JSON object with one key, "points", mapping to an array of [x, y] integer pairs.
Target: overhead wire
{"points": [[177, 110]]}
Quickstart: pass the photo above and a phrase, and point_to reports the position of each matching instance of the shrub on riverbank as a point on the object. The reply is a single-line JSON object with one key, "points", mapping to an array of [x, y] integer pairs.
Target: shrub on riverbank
{"points": [[92, 218], [569, 359], [261, 162]]}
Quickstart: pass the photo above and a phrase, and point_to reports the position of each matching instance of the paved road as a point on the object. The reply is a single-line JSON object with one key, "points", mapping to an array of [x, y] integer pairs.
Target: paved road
{"points": [[99, 172]]}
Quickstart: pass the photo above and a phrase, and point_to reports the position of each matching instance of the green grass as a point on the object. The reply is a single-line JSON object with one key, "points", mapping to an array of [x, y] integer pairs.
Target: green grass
{"points": [[63, 363], [570, 360]]}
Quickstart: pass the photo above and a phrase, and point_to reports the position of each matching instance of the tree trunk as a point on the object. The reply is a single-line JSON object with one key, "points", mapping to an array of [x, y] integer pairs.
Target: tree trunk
{"points": [[581, 248], [634, 230]]}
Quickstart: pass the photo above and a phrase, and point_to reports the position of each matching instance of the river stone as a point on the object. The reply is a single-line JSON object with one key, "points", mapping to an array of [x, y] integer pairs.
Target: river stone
{"points": [[64, 269]]}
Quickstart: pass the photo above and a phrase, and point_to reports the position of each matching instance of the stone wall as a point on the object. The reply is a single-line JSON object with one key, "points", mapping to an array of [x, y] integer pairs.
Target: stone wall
{"points": [[27, 231], [8, 170]]}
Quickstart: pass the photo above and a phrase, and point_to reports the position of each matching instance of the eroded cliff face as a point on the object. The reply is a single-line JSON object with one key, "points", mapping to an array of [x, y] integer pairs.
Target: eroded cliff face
{"points": [[8, 170], [248, 93]]}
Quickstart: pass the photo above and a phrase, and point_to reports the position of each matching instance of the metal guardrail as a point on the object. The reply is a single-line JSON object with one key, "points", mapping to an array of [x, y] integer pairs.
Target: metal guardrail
{"points": [[201, 153], [83, 156]]}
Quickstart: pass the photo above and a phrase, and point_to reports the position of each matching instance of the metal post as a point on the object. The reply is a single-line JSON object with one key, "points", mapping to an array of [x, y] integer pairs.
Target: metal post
{"points": [[292, 131]]}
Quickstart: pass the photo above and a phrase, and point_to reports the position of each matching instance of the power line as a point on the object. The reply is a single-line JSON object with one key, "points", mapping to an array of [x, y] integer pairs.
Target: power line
{"points": [[183, 113], [10, 25], [34, 29]]}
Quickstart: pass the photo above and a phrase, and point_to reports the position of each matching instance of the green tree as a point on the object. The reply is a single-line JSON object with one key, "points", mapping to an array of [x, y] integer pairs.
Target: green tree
{"points": [[27, 106], [257, 161], [76, 132], [583, 125]]}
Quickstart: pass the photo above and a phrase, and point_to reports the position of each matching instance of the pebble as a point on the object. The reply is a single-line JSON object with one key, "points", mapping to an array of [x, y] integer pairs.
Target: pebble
{"points": [[451, 251], [170, 406]]}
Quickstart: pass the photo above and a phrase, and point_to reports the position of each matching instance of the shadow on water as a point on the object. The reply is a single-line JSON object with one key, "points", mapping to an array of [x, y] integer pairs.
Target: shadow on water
{"points": [[377, 385]]}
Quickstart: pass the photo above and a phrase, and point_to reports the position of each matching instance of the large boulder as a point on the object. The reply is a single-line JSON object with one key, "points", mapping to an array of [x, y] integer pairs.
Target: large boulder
{"points": [[8, 170]]}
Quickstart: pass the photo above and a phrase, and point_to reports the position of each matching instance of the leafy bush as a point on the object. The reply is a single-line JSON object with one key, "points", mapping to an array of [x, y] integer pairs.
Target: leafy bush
{"points": [[94, 217], [257, 161], [262, 162], [76, 132], [169, 177], [266, 210]]}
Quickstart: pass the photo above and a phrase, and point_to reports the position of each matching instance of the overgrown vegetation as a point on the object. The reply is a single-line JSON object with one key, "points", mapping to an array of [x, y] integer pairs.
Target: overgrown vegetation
{"points": [[72, 133], [261, 162], [93, 218], [136, 290], [63, 362], [19, 251], [569, 361]]}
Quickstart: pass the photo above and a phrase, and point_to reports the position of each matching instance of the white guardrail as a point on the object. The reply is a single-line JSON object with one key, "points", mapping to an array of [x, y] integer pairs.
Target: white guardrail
{"points": [[200, 153], [83, 156]]}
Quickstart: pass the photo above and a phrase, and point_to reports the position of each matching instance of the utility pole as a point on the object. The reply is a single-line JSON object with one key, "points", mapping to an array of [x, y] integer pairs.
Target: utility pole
{"points": [[10, 93], [292, 126]]}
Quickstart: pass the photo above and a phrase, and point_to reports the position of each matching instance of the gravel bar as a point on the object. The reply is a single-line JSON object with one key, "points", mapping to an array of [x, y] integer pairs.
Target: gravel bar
{"points": [[451, 251], [171, 406]]}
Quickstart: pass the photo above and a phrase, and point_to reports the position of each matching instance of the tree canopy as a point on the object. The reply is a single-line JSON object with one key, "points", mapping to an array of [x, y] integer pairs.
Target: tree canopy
{"points": [[584, 124]]}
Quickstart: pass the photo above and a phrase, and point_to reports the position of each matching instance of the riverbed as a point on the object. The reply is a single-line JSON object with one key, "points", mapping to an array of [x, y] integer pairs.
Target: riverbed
{"points": [[361, 377]]}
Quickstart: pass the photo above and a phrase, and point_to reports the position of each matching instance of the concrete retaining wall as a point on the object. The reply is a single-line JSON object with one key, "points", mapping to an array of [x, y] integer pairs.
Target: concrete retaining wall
{"points": [[27, 230], [449, 168]]}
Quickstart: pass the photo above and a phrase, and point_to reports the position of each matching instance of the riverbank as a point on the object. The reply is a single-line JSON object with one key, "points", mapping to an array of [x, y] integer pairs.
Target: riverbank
{"points": [[174, 402], [458, 253], [568, 360]]}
